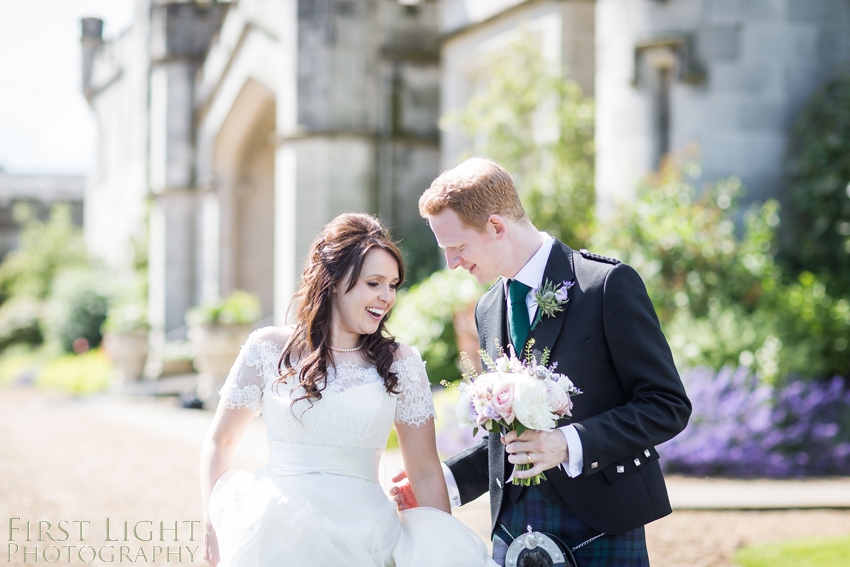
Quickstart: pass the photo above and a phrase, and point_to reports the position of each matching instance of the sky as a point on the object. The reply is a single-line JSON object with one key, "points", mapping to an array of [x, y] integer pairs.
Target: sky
{"points": [[46, 125]]}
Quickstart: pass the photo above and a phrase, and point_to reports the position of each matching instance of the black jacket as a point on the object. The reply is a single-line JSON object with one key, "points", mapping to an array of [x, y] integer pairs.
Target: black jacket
{"points": [[609, 342]]}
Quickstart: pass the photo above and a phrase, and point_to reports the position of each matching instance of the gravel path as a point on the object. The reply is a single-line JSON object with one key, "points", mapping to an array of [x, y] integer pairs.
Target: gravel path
{"points": [[65, 460]]}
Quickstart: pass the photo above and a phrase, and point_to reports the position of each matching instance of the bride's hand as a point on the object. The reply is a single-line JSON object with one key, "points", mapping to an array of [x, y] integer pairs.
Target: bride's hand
{"points": [[210, 546], [402, 493]]}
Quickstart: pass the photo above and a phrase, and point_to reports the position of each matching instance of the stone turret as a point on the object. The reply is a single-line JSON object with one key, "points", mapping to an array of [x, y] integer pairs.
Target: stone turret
{"points": [[92, 41]]}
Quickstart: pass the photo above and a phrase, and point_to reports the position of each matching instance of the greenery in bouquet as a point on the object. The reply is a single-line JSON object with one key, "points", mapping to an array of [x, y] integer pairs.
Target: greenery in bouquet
{"points": [[239, 308], [514, 395]]}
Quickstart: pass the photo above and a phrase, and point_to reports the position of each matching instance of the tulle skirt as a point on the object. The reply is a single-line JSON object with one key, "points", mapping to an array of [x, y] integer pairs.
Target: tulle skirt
{"points": [[266, 519]]}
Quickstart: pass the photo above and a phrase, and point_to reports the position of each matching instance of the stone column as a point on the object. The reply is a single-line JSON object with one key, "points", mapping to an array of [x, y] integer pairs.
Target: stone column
{"points": [[180, 35], [361, 81], [325, 160]]}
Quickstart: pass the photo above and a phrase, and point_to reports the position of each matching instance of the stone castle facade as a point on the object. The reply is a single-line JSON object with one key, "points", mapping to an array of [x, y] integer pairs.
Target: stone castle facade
{"points": [[230, 132]]}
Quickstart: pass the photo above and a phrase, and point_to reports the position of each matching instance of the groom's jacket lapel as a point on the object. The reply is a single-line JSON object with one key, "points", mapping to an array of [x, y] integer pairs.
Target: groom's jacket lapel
{"points": [[493, 328], [559, 269], [491, 314]]}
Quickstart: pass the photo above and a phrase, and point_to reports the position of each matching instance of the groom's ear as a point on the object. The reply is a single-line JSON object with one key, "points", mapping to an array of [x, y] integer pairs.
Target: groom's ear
{"points": [[498, 225]]}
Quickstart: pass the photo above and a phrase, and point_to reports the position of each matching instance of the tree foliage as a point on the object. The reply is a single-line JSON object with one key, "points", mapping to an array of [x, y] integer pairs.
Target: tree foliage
{"points": [[46, 248], [537, 124]]}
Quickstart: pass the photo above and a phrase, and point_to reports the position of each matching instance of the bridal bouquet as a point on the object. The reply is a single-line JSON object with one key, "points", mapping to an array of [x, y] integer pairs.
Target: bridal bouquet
{"points": [[517, 395]]}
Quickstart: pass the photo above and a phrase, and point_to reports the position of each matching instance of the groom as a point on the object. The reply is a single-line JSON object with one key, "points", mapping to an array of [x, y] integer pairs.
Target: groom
{"points": [[601, 465]]}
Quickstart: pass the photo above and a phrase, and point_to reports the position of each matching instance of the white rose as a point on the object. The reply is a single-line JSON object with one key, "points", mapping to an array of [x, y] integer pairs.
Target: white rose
{"points": [[531, 404], [559, 400]]}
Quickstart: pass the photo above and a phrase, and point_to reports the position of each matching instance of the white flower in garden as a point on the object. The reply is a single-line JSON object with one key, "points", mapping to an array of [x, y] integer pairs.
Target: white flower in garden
{"points": [[531, 404]]}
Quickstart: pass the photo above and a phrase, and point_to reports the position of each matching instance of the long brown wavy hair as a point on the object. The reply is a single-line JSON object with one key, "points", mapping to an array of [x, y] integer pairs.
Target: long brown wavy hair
{"points": [[340, 249]]}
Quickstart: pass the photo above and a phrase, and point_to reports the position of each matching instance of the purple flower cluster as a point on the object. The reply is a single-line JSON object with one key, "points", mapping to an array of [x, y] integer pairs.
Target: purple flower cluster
{"points": [[741, 427]]}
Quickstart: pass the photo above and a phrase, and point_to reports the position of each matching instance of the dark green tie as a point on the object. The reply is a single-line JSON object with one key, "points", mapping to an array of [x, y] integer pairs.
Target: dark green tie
{"points": [[517, 292]]}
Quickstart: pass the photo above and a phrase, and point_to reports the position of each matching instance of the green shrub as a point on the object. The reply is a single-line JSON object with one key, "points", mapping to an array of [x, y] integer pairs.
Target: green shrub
{"points": [[685, 246], [78, 306], [424, 317], [19, 322], [240, 308], [718, 292], [819, 166]]}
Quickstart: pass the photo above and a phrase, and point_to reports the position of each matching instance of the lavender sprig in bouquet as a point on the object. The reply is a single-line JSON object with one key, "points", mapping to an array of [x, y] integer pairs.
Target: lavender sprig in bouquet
{"points": [[514, 395]]}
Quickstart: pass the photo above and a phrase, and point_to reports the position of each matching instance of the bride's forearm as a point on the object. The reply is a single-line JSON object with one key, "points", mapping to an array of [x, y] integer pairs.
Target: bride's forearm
{"points": [[226, 430], [430, 490], [215, 461]]}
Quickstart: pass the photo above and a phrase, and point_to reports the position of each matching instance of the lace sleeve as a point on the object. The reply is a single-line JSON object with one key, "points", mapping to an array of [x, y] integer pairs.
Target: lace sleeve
{"points": [[415, 405], [257, 359]]}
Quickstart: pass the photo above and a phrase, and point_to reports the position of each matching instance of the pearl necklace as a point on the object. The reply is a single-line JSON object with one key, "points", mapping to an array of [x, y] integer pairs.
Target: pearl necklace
{"points": [[355, 349]]}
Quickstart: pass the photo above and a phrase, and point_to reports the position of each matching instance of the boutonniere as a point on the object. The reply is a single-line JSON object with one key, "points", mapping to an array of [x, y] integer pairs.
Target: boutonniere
{"points": [[550, 299]]}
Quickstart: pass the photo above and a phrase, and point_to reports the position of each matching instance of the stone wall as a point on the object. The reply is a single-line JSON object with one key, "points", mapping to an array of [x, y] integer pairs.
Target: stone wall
{"points": [[741, 71]]}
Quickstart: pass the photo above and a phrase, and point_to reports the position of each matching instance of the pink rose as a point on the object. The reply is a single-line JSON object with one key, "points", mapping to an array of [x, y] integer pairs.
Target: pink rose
{"points": [[503, 401], [559, 401]]}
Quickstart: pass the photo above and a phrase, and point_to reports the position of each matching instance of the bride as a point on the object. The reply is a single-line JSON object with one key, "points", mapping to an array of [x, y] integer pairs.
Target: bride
{"points": [[330, 390]]}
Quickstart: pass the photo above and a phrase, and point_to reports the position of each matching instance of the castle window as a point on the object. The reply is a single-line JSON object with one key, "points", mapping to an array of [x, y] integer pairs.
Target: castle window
{"points": [[658, 64]]}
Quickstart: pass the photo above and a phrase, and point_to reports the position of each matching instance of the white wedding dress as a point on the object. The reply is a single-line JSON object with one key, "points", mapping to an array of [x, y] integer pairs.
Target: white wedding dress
{"points": [[318, 502]]}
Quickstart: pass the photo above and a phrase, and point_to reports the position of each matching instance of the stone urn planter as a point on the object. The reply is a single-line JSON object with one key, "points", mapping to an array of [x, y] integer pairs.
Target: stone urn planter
{"points": [[216, 348], [126, 343], [217, 330], [128, 351]]}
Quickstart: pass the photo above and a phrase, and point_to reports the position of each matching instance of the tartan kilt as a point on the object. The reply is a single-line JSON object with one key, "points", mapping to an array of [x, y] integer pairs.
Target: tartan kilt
{"points": [[627, 549]]}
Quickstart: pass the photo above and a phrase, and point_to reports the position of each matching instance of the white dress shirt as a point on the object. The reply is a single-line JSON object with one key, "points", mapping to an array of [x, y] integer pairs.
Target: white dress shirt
{"points": [[532, 275]]}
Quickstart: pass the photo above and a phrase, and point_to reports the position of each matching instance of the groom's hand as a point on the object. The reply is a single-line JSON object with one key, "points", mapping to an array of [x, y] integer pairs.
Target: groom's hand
{"points": [[402, 492], [542, 449]]}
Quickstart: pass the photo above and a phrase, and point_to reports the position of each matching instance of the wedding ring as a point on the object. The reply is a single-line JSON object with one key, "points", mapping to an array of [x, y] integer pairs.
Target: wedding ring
{"points": [[528, 456]]}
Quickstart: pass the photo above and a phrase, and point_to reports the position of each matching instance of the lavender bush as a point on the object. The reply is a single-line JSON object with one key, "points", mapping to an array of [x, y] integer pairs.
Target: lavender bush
{"points": [[743, 427]]}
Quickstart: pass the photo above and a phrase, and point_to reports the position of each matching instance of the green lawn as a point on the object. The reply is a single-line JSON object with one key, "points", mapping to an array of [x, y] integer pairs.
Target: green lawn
{"points": [[813, 552]]}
